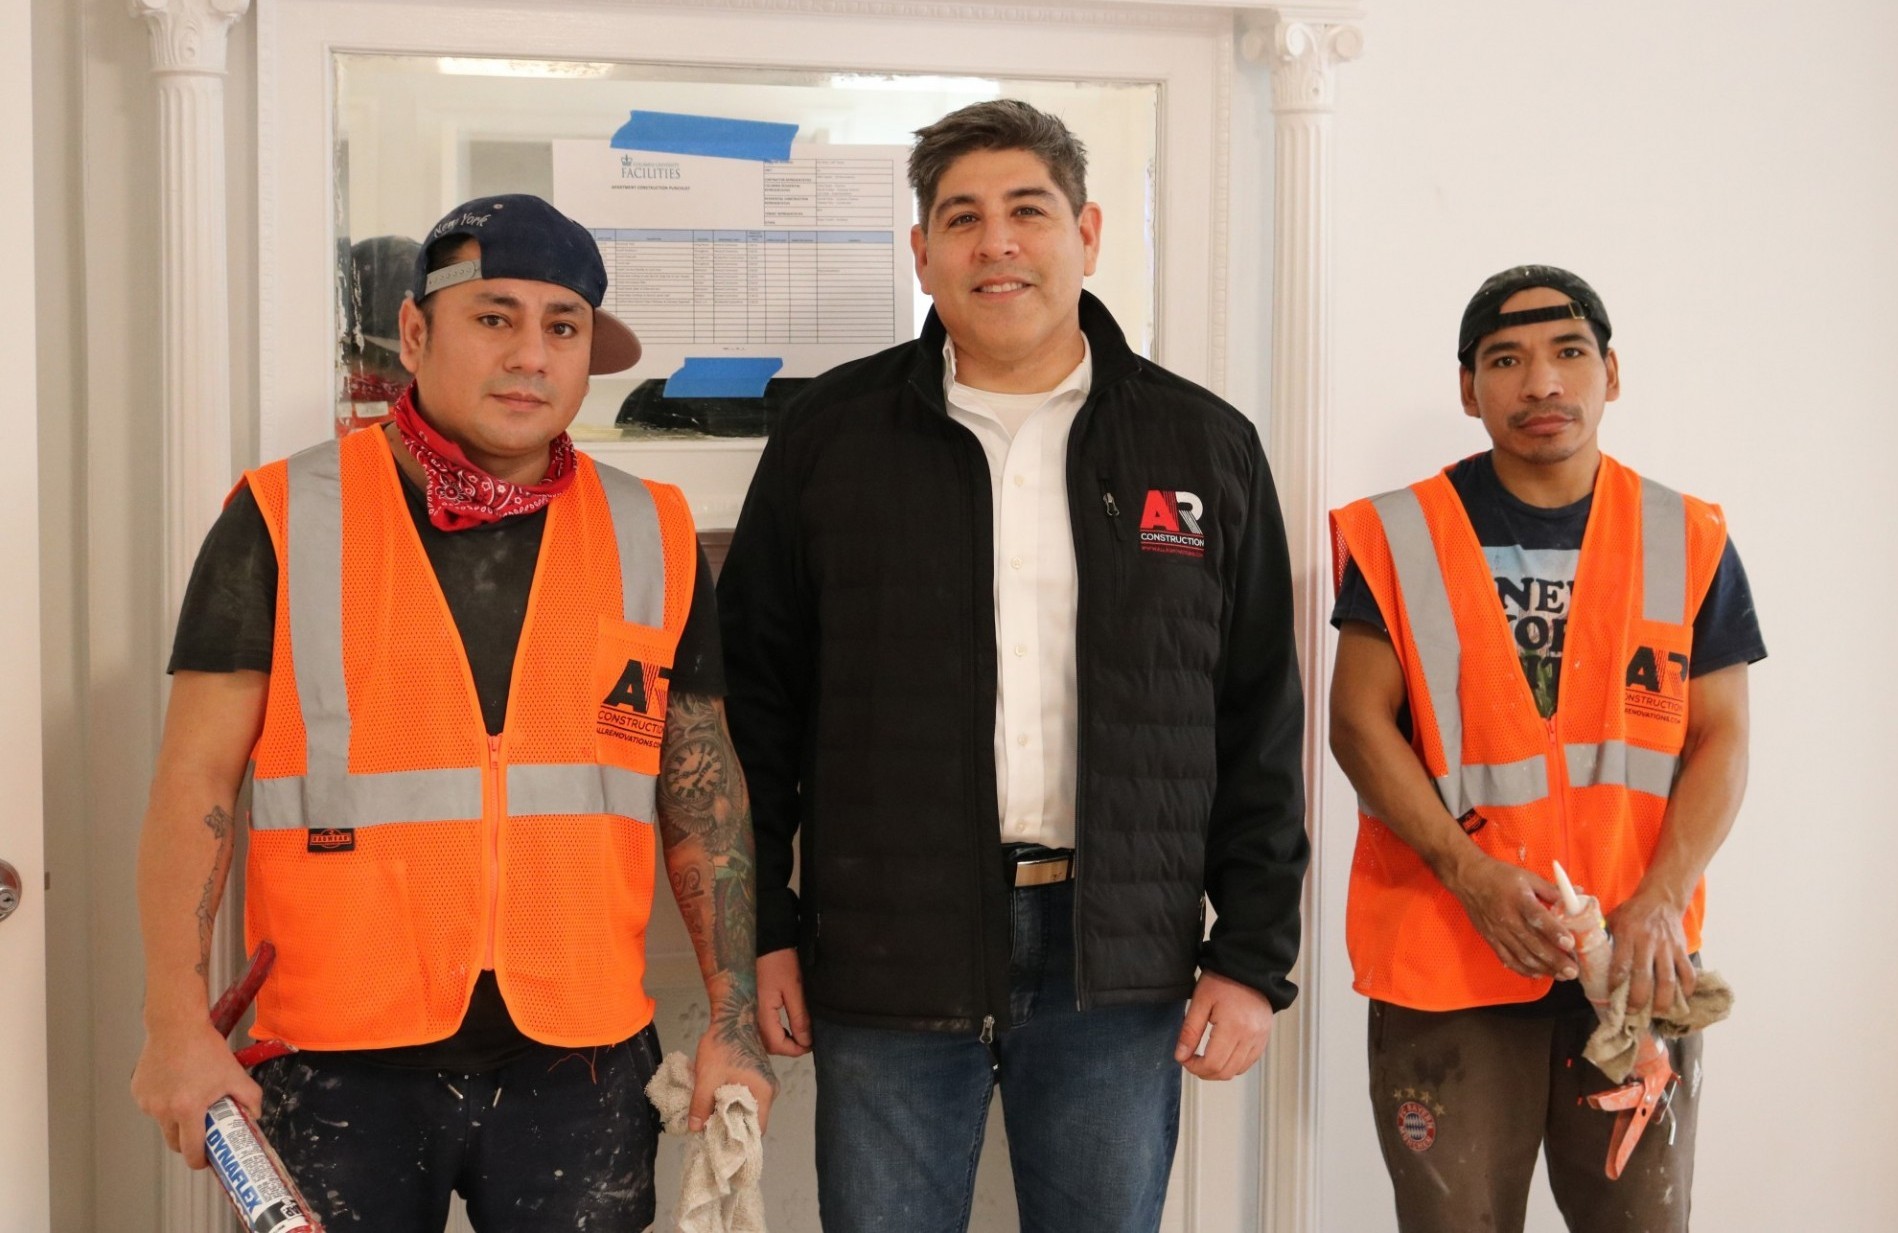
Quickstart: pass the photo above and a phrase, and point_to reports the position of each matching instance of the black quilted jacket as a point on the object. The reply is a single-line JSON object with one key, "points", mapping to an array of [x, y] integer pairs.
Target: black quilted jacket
{"points": [[857, 612]]}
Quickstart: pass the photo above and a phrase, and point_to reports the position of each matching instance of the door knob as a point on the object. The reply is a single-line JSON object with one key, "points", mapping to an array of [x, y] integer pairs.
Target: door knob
{"points": [[9, 889]]}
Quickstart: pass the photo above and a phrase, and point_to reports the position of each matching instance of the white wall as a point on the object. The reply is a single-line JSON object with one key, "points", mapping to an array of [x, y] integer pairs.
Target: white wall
{"points": [[1724, 175]]}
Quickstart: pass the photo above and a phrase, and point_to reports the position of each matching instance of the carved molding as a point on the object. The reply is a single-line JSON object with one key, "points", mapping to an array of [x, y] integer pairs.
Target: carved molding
{"points": [[1302, 47], [1161, 16], [188, 44], [189, 36], [1219, 284]]}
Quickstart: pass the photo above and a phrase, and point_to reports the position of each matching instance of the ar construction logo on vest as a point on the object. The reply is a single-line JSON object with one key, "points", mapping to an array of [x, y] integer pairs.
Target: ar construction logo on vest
{"points": [[1656, 685], [634, 709], [1169, 523]]}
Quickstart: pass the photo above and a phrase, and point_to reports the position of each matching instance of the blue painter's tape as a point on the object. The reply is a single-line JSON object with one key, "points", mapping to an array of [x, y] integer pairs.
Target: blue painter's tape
{"points": [[722, 377], [667, 132]]}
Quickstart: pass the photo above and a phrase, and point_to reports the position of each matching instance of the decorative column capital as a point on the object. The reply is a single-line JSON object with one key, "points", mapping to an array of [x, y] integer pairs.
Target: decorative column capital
{"points": [[189, 36], [1302, 44]]}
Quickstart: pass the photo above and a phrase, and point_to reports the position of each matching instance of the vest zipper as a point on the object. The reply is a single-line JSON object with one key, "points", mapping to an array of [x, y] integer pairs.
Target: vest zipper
{"points": [[491, 842], [1558, 792]]}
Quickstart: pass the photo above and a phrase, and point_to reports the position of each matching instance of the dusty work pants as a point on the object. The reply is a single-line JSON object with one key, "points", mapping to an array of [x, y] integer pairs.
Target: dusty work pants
{"points": [[1465, 1099], [557, 1139]]}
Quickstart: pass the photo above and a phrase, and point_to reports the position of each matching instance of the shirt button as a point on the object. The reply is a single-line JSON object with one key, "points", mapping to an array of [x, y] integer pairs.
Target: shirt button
{"points": [[1021, 740], [1014, 562], [1020, 649], [1020, 480]]}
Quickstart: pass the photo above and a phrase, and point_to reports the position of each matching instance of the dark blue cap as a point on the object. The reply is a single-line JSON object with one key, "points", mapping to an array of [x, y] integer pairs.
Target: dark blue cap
{"points": [[522, 236]]}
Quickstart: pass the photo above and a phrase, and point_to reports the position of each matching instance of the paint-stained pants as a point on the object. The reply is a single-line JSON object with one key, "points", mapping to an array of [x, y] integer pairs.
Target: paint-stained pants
{"points": [[559, 1139], [1464, 1100]]}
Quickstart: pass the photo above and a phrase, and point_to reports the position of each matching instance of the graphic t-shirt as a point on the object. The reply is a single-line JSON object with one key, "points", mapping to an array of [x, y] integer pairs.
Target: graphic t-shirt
{"points": [[1534, 585]]}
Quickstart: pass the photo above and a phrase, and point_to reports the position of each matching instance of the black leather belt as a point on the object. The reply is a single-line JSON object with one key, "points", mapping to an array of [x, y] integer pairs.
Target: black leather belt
{"points": [[1040, 867]]}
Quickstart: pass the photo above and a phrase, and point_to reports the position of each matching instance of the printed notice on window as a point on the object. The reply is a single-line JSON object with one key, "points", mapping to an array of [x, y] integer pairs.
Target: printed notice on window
{"points": [[806, 260]]}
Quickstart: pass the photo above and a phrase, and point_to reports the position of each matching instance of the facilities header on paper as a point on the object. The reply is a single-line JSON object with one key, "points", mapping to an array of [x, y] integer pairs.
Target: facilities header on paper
{"points": [[805, 260]]}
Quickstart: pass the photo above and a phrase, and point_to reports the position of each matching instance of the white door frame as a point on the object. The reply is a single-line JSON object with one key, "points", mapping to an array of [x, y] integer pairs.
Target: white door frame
{"points": [[25, 1189]]}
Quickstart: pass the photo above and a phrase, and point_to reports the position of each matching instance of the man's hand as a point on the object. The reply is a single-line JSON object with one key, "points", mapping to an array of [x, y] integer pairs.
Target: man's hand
{"points": [[783, 1022], [1514, 911], [729, 1052], [1650, 952], [183, 1071], [1241, 1020]]}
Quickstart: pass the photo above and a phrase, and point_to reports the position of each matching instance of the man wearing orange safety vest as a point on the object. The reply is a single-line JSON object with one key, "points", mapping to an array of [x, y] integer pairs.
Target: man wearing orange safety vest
{"points": [[1542, 657], [477, 682]]}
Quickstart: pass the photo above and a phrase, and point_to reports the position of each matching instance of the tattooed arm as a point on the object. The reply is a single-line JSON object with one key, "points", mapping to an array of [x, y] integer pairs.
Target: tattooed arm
{"points": [[184, 853], [705, 821]]}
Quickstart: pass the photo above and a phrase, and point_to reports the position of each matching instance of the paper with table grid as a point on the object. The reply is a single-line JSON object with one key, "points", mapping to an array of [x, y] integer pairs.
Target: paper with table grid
{"points": [[806, 261]]}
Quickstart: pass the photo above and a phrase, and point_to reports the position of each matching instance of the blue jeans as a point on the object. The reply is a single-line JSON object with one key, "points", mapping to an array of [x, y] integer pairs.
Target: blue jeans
{"points": [[1091, 1101]]}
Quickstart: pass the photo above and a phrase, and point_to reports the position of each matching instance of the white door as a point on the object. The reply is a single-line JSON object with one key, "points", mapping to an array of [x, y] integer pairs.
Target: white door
{"points": [[24, 1201]]}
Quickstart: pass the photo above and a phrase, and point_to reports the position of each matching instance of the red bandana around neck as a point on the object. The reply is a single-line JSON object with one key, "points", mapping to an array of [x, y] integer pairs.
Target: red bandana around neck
{"points": [[462, 495]]}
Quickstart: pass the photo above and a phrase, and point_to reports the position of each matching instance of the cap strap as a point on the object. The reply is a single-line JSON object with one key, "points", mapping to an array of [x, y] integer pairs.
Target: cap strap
{"points": [[449, 275], [1531, 316]]}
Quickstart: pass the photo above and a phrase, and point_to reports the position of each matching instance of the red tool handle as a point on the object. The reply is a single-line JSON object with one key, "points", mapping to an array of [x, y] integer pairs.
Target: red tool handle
{"points": [[229, 1008]]}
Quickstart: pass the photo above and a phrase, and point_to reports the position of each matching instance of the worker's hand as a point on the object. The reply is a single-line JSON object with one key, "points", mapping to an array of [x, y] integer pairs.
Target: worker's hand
{"points": [[1514, 910], [783, 1023], [1241, 1020], [730, 1052], [1650, 952], [181, 1072]]}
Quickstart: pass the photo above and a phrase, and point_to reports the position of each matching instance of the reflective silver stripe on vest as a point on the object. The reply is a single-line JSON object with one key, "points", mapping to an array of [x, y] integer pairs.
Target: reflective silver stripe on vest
{"points": [[1499, 786], [1623, 765], [298, 801], [1504, 784], [1663, 554], [1432, 629], [314, 539], [642, 559], [550, 788], [328, 795]]}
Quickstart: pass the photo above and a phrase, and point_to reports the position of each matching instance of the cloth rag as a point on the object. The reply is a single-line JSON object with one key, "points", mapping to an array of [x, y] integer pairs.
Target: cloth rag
{"points": [[724, 1163], [1617, 1038]]}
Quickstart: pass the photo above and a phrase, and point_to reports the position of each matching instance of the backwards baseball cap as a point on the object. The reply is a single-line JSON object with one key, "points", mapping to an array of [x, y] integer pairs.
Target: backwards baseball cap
{"points": [[521, 236], [1485, 316]]}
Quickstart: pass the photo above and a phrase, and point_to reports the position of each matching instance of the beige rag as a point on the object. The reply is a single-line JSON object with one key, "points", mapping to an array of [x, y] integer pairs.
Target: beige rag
{"points": [[1617, 1038], [723, 1163]]}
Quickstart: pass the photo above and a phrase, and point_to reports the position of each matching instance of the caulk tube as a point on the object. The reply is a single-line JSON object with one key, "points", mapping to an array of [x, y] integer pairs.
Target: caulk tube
{"points": [[1581, 916], [254, 1180]]}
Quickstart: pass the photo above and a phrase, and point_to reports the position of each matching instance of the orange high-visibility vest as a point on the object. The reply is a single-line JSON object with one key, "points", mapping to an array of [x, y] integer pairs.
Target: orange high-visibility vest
{"points": [[1588, 786], [396, 848]]}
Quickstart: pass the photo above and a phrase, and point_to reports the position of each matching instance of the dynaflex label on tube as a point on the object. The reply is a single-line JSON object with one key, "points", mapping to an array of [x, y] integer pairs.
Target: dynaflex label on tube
{"points": [[265, 1199]]}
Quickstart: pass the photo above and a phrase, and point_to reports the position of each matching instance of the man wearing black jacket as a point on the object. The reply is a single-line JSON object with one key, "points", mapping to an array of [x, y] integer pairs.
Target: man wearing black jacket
{"points": [[1009, 647]]}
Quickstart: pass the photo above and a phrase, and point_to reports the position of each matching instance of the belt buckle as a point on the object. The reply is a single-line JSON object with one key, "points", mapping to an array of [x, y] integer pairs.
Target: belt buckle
{"points": [[1044, 870]]}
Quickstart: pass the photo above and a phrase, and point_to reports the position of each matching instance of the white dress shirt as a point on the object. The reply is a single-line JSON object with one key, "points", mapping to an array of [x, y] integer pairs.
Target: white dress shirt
{"points": [[1025, 437]]}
